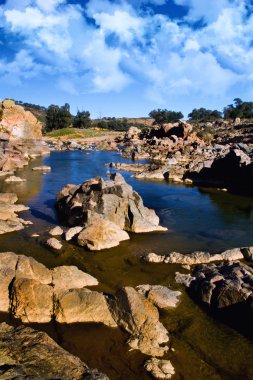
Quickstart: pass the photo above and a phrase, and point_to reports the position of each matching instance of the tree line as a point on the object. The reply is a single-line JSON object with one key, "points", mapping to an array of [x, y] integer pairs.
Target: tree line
{"points": [[239, 108]]}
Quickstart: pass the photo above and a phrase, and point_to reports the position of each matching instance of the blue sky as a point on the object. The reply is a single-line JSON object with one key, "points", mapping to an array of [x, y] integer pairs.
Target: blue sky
{"points": [[125, 58]]}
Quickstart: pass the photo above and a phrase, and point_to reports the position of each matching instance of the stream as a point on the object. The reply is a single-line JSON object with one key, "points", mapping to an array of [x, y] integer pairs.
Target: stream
{"points": [[196, 218]]}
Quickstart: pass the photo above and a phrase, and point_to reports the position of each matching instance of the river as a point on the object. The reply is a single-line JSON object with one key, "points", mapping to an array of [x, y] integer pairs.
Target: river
{"points": [[196, 218]]}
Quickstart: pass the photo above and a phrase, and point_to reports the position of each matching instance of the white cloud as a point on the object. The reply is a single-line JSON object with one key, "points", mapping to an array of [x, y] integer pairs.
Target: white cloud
{"points": [[166, 57]]}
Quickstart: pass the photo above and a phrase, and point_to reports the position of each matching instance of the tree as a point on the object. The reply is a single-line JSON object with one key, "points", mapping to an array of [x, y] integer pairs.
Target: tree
{"points": [[240, 109], [82, 119], [164, 116], [58, 117], [203, 114]]}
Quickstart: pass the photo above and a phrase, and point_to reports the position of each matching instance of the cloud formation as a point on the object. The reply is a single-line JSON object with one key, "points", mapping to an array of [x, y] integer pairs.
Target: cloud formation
{"points": [[109, 46]]}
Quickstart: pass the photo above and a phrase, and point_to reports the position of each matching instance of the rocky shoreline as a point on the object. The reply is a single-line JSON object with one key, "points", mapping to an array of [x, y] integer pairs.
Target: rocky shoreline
{"points": [[98, 215]]}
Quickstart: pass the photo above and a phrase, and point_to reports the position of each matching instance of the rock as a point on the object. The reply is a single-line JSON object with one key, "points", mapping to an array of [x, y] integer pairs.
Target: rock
{"points": [[72, 232], [56, 231], [247, 253], [6, 277], [160, 368], [31, 301], [54, 243], [82, 305], [101, 234], [28, 267], [223, 285], [114, 200], [160, 296], [10, 226], [29, 354], [42, 168], [154, 258], [140, 318], [133, 133], [184, 279], [70, 277], [194, 258], [14, 179], [10, 198]]}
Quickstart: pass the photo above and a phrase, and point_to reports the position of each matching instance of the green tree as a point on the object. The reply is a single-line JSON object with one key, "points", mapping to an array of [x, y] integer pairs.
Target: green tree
{"points": [[203, 114], [240, 109], [82, 119], [164, 116], [58, 117]]}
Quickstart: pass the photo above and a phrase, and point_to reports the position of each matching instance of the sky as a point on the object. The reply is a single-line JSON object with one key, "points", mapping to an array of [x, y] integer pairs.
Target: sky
{"points": [[126, 58]]}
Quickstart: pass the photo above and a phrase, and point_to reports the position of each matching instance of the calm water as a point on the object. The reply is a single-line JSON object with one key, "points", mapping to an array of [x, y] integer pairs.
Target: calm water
{"points": [[196, 219]]}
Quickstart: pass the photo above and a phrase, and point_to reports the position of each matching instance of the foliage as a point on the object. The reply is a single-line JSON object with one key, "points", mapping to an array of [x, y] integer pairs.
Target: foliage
{"points": [[58, 117], [114, 124], [240, 109], [203, 114], [82, 119], [164, 116]]}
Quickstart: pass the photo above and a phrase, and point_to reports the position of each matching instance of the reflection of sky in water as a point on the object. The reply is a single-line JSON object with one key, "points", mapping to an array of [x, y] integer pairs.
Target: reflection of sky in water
{"points": [[196, 218]]}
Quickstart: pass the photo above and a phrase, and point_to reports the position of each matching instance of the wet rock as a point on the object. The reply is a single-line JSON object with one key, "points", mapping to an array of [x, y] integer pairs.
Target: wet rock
{"points": [[56, 231], [70, 277], [154, 258], [101, 234], [140, 318], [10, 226], [114, 200], [160, 368], [72, 232], [42, 168], [14, 179], [54, 243], [160, 296], [31, 301], [82, 305], [27, 353]]}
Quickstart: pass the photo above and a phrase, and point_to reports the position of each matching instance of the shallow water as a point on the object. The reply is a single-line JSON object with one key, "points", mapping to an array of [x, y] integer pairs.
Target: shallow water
{"points": [[196, 218]]}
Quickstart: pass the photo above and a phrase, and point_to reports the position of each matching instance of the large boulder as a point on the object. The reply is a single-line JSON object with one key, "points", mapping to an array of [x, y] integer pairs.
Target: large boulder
{"points": [[82, 305], [161, 296], [29, 354], [31, 301], [70, 277], [140, 318], [115, 200]]}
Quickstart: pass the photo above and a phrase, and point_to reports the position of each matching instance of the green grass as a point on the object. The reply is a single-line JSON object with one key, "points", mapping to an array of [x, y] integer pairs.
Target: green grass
{"points": [[77, 133]]}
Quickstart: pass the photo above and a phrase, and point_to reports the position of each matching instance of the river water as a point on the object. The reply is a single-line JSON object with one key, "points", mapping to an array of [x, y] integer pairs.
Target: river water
{"points": [[196, 218]]}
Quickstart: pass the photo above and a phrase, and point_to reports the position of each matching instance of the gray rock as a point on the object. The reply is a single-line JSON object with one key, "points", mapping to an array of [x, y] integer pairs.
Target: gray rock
{"points": [[29, 354]]}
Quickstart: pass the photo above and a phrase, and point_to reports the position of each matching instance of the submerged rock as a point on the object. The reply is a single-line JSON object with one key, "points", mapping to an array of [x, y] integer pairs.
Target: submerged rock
{"points": [[54, 243], [140, 318], [29, 354], [42, 168], [14, 179], [160, 368], [160, 296]]}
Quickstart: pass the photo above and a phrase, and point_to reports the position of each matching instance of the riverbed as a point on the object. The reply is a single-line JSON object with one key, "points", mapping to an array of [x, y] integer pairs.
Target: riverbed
{"points": [[196, 218]]}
